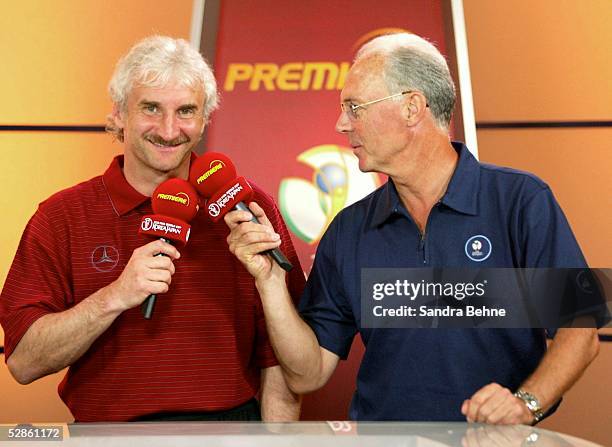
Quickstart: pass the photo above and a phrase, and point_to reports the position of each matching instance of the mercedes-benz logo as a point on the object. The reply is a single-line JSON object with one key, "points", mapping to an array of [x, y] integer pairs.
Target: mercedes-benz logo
{"points": [[104, 258]]}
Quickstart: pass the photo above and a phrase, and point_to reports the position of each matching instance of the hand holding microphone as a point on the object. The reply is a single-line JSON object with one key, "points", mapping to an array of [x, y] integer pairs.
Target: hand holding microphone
{"points": [[250, 241], [174, 203], [144, 274], [214, 176]]}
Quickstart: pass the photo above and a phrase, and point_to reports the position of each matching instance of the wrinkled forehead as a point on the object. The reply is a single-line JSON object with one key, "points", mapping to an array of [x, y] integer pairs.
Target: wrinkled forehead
{"points": [[165, 80], [167, 88], [365, 74]]}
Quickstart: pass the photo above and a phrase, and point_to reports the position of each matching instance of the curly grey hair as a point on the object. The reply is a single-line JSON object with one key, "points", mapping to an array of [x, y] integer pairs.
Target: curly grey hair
{"points": [[154, 62]]}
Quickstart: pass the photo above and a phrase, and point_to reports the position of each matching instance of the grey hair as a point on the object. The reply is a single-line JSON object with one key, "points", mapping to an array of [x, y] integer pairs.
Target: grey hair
{"points": [[154, 62], [413, 63]]}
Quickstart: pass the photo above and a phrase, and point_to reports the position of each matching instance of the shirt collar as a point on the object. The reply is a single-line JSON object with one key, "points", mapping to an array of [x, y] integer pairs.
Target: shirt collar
{"points": [[461, 193], [387, 204], [123, 196]]}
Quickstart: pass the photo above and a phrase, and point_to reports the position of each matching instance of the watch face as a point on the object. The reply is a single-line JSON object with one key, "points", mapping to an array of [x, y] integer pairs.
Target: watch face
{"points": [[532, 404], [530, 400]]}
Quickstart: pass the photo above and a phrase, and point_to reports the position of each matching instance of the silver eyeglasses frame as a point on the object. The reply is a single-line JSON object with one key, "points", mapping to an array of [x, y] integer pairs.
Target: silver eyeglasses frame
{"points": [[351, 109]]}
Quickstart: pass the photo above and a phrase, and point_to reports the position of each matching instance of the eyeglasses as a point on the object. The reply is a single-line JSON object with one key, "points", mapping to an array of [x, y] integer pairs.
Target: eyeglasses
{"points": [[351, 109]]}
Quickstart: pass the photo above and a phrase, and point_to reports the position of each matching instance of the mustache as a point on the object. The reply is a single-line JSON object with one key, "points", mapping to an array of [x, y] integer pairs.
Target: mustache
{"points": [[156, 139]]}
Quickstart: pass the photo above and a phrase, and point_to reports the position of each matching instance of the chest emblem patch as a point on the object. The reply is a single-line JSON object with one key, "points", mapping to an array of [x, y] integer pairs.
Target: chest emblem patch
{"points": [[478, 248], [104, 258]]}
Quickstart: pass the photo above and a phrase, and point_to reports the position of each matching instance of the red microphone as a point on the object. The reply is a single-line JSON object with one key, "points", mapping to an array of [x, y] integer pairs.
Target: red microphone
{"points": [[174, 203], [214, 176]]}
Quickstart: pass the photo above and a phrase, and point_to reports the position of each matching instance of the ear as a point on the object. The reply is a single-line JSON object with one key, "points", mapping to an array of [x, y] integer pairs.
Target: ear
{"points": [[414, 108], [118, 116]]}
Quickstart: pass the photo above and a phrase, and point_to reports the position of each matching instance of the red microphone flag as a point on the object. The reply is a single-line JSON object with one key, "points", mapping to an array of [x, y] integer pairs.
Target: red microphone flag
{"points": [[214, 176], [228, 197], [174, 203], [210, 172]]}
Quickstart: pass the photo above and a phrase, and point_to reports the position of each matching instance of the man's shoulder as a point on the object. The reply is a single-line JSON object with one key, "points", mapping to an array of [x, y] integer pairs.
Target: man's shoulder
{"points": [[81, 194], [356, 218], [259, 195], [267, 203], [363, 207], [507, 175], [510, 182]]}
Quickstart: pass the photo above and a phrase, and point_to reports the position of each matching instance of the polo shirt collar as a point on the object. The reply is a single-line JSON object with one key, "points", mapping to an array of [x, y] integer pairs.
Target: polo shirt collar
{"points": [[387, 204], [122, 195], [462, 191], [461, 194]]}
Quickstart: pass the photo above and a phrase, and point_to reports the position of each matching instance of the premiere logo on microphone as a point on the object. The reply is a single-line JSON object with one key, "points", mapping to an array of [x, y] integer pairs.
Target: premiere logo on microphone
{"points": [[180, 197], [215, 207], [215, 165]]}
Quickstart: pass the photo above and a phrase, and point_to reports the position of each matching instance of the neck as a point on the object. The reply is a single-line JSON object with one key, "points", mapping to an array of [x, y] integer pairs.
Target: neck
{"points": [[428, 172], [425, 178]]}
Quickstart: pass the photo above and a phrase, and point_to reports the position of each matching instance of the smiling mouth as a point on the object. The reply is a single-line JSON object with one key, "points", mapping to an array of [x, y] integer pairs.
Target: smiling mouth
{"points": [[161, 145], [166, 144]]}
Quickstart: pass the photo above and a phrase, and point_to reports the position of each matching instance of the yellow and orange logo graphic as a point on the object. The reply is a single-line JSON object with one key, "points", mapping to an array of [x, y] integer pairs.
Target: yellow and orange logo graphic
{"points": [[308, 207]]}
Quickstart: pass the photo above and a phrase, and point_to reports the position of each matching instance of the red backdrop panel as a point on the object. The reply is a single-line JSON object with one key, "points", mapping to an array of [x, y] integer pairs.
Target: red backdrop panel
{"points": [[280, 67]]}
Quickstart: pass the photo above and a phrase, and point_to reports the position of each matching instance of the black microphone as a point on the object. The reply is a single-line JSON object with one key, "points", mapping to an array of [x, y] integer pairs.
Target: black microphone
{"points": [[174, 203]]}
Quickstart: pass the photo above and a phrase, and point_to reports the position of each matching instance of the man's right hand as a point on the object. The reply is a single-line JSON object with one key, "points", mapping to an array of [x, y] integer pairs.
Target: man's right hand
{"points": [[144, 274], [248, 239]]}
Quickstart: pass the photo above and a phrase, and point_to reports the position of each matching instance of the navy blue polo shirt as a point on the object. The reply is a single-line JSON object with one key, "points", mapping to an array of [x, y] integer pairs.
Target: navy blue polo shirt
{"points": [[489, 217]]}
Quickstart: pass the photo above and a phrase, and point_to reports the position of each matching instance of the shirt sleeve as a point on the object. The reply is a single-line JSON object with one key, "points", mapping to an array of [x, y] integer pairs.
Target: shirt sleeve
{"points": [[546, 237], [324, 305], [38, 280], [295, 279], [557, 265]]}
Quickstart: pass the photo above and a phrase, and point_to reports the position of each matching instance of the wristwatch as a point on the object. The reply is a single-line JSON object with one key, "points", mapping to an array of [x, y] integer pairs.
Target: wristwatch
{"points": [[532, 403]]}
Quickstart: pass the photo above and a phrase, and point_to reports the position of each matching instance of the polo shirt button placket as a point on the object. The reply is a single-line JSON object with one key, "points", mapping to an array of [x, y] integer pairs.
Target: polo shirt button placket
{"points": [[426, 234], [422, 247]]}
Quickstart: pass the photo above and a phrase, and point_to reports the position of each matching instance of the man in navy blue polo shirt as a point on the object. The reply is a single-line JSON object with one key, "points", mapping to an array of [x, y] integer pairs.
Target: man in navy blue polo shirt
{"points": [[440, 208]]}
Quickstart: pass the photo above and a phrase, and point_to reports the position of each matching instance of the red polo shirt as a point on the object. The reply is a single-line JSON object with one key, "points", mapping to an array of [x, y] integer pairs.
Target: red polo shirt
{"points": [[206, 343]]}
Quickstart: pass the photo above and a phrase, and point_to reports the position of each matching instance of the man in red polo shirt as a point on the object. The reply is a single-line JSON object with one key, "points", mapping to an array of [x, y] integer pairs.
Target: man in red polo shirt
{"points": [[73, 294]]}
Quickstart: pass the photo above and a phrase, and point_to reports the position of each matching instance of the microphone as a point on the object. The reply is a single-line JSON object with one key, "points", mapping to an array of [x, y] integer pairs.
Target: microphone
{"points": [[214, 176], [174, 203]]}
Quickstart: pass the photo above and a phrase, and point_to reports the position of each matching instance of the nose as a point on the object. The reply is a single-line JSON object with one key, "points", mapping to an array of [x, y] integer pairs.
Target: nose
{"points": [[343, 124], [169, 127]]}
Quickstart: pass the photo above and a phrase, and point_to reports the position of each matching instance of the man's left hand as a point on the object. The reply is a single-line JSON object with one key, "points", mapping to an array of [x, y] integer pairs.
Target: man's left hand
{"points": [[494, 404]]}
